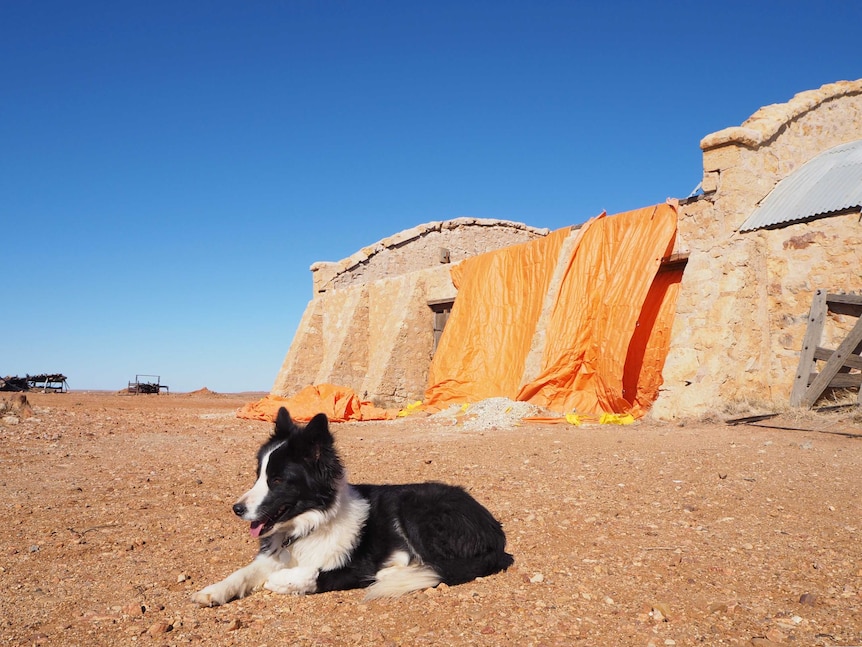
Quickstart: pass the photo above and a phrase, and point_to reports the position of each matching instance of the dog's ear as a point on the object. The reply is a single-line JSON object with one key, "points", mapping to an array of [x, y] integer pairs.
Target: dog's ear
{"points": [[316, 432], [284, 425], [312, 443], [320, 454]]}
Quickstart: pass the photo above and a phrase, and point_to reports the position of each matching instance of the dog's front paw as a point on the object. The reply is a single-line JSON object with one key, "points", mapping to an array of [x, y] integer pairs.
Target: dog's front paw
{"points": [[296, 581], [211, 596]]}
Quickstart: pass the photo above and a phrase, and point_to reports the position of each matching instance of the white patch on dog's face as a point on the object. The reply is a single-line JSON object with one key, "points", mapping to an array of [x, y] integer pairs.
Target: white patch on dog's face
{"points": [[255, 496]]}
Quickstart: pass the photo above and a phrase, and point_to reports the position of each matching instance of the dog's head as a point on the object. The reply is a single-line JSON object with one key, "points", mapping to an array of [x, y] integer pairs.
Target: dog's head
{"points": [[298, 476]]}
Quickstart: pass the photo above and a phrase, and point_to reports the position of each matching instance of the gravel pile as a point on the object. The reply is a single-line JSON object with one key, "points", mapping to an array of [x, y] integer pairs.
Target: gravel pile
{"points": [[493, 413]]}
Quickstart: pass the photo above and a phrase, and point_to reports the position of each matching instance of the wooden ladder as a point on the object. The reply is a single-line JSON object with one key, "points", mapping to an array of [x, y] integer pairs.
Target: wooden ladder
{"points": [[809, 385]]}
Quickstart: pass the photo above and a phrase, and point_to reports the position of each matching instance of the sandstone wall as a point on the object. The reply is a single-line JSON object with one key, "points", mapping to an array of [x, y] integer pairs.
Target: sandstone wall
{"points": [[419, 248], [369, 325], [742, 309]]}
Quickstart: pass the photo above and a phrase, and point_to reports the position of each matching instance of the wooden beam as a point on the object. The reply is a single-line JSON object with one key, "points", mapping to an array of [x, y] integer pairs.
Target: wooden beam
{"points": [[845, 304], [845, 298], [842, 380], [851, 361], [674, 262]]}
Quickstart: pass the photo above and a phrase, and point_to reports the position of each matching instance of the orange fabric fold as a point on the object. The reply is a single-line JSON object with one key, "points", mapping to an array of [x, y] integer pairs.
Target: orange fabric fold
{"points": [[339, 403]]}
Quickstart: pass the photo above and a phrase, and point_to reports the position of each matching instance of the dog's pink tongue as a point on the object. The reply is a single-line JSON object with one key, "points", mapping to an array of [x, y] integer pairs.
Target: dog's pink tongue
{"points": [[255, 528]]}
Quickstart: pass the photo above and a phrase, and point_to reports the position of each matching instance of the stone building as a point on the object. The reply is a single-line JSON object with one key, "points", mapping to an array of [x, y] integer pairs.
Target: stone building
{"points": [[374, 317], [744, 299], [745, 295]]}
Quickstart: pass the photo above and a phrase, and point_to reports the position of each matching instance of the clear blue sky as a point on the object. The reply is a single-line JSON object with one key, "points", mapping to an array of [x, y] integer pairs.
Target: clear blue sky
{"points": [[170, 170]]}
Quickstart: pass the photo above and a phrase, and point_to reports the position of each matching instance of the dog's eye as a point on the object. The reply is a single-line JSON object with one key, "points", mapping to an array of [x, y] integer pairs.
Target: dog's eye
{"points": [[276, 480]]}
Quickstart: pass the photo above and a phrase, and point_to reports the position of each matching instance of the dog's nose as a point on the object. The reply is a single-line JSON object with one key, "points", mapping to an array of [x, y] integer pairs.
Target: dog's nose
{"points": [[239, 509]]}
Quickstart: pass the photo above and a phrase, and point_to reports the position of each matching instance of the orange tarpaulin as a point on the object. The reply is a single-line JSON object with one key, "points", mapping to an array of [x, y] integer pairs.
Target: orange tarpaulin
{"points": [[482, 350], [607, 335], [339, 403]]}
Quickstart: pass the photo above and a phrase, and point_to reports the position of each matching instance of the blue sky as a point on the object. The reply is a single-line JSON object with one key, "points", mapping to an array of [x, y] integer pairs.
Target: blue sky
{"points": [[170, 170]]}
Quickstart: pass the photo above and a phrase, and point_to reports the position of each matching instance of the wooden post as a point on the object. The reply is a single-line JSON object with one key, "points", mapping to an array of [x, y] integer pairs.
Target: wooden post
{"points": [[816, 318]]}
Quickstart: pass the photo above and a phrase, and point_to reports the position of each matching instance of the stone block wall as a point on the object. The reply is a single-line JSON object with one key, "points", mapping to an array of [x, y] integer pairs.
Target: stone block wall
{"points": [[744, 298], [418, 248], [369, 325]]}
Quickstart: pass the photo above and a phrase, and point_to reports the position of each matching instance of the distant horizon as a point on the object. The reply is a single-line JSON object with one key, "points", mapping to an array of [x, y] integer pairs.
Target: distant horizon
{"points": [[119, 390], [124, 392]]}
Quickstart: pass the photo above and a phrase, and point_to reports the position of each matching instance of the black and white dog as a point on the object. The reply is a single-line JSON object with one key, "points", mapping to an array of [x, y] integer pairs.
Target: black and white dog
{"points": [[318, 533]]}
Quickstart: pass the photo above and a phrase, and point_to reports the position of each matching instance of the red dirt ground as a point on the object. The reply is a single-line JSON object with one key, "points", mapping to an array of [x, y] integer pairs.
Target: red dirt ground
{"points": [[117, 508]]}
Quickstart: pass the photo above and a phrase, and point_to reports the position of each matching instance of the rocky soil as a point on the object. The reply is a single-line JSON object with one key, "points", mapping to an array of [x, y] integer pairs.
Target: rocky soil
{"points": [[117, 508]]}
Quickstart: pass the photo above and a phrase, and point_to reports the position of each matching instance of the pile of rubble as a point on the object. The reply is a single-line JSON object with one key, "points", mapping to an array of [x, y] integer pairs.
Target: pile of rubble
{"points": [[15, 409], [491, 413]]}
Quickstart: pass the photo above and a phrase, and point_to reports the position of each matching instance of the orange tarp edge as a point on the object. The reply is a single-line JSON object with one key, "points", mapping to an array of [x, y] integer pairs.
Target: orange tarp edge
{"points": [[339, 403]]}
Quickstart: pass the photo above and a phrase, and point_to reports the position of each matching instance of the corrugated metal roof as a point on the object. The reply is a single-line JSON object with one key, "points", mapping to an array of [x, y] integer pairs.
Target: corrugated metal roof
{"points": [[830, 182]]}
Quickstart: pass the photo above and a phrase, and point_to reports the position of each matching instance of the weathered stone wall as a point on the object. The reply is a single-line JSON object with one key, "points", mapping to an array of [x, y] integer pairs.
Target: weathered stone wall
{"points": [[742, 309], [369, 325], [418, 248]]}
